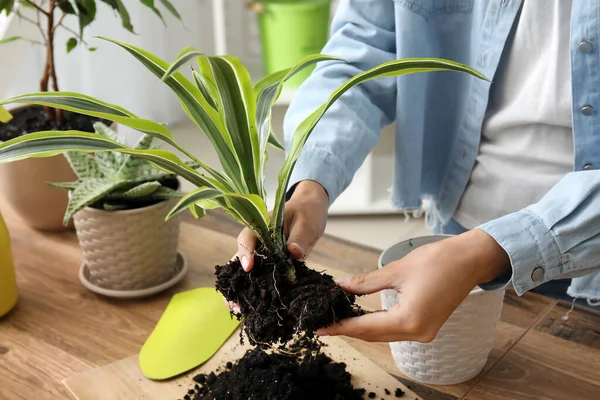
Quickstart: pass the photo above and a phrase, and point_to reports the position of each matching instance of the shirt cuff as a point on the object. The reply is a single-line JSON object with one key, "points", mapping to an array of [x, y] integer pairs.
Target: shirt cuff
{"points": [[322, 167], [532, 248]]}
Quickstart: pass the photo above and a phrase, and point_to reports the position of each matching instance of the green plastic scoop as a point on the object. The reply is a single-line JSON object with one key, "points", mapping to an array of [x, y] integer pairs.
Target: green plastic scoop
{"points": [[194, 326]]}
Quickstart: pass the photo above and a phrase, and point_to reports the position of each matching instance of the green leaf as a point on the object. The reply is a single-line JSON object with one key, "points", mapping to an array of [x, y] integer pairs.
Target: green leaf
{"points": [[185, 56], [7, 6], [306, 127], [86, 13], [197, 211], [65, 185], [139, 192], [205, 117], [150, 5], [267, 92], [92, 48], [238, 105], [87, 193], [132, 164], [71, 44], [5, 116], [65, 6], [167, 4], [88, 105], [204, 88], [109, 162], [165, 193], [84, 165], [114, 206], [124, 14], [10, 39]]}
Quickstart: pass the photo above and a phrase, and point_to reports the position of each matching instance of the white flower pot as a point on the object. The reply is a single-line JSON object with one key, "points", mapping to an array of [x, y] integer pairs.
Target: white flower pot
{"points": [[129, 250], [461, 348]]}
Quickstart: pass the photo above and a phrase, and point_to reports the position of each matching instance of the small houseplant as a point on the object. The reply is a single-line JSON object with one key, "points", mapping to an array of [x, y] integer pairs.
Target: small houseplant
{"points": [[289, 31], [281, 296], [119, 204], [24, 184]]}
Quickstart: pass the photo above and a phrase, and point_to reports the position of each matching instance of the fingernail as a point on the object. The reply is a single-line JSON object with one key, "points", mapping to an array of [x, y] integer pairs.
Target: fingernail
{"points": [[236, 310], [343, 280], [299, 248], [245, 262]]}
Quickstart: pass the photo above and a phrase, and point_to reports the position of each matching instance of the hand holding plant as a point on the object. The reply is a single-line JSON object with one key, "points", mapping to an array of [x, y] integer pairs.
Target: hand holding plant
{"points": [[281, 296]]}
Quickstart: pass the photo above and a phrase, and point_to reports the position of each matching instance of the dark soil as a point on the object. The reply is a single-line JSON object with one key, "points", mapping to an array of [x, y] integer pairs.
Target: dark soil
{"points": [[274, 309], [259, 375], [33, 119], [171, 183]]}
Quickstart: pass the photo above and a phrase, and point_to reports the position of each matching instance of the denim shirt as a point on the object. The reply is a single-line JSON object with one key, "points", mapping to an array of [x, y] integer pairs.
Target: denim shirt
{"points": [[439, 117]]}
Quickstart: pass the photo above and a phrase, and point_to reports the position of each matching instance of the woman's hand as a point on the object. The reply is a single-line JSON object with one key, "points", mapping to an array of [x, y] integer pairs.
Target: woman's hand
{"points": [[305, 218], [431, 282]]}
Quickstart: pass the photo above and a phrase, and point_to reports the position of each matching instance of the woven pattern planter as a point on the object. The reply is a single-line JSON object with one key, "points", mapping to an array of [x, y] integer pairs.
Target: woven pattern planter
{"points": [[131, 249], [461, 348]]}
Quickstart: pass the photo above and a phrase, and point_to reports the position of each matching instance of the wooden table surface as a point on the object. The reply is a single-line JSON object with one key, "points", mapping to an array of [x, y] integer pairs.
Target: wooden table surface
{"points": [[60, 329]]}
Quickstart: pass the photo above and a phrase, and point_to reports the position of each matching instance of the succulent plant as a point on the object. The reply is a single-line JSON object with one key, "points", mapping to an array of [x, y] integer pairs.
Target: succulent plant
{"points": [[115, 181]]}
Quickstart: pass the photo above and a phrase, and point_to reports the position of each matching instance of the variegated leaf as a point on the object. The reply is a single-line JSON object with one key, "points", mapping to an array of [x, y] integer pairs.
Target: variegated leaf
{"points": [[87, 193], [114, 206], [65, 185], [137, 192], [84, 165], [132, 164], [165, 193]]}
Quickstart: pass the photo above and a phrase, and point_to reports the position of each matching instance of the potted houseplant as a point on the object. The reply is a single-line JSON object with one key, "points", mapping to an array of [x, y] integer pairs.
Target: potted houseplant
{"points": [[24, 184], [289, 31], [281, 296], [119, 204]]}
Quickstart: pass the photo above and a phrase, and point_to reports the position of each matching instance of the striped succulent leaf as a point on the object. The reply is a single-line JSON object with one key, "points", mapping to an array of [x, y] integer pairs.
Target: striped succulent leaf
{"points": [[84, 165], [87, 193]]}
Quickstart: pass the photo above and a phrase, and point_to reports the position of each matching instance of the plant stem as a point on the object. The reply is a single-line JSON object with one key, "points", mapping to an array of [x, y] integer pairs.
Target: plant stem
{"points": [[40, 9], [277, 254], [49, 69]]}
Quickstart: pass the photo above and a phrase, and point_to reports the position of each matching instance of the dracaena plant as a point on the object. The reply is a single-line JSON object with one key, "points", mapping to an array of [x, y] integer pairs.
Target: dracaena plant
{"points": [[115, 181], [50, 16], [234, 114]]}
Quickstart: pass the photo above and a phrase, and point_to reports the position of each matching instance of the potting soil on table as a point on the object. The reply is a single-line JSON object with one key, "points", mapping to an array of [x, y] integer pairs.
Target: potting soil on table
{"points": [[275, 376]]}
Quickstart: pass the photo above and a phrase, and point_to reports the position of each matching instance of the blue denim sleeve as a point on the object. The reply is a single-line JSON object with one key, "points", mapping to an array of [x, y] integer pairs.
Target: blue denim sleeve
{"points": [[363, 34], [558, 237]]}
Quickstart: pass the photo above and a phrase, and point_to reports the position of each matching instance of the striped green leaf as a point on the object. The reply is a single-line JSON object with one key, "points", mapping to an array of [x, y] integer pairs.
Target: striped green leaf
{"points": [[65, 185], [303, 131], [138, 192], [236, 97], [88, 105], [267, 91], [194, 104], [250, 209]]}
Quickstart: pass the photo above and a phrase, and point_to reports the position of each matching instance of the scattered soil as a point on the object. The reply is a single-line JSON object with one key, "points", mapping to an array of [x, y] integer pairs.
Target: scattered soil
{"points": [[33, 119], [274, 309], [274, 376]]}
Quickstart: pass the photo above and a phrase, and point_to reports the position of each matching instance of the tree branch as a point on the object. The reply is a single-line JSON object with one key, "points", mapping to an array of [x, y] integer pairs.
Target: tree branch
{"points": [[40, 9], [36, 23], [76, 34], [60, 22]]}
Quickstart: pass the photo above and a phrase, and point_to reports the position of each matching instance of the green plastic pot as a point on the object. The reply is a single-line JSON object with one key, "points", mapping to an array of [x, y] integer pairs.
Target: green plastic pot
{"points": [[291, 30]]}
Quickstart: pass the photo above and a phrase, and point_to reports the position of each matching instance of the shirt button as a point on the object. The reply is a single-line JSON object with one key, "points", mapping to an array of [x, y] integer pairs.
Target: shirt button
{"points": [[587, 167], [537, 274], [587, 110], [585, 47]]}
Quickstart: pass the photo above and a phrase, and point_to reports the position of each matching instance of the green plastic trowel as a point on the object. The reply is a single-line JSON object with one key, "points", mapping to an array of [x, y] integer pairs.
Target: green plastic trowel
{"points": [[194, 326]]}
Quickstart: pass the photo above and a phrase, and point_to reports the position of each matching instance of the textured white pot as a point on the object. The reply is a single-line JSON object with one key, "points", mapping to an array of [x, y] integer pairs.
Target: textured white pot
{"points": [[130, 249], [461, 348]]}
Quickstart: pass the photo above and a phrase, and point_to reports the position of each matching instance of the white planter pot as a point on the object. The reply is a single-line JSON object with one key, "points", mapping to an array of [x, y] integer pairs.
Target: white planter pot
{"points": [[129, 250], [461, 348]]}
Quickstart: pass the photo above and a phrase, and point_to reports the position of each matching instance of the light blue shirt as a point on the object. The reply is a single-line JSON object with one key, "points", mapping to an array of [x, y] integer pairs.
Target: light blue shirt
{"points": [[439, 118]]}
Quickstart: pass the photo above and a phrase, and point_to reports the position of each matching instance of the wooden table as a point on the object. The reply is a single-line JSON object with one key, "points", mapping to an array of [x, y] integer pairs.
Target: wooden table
{"points": [[60, 329]]}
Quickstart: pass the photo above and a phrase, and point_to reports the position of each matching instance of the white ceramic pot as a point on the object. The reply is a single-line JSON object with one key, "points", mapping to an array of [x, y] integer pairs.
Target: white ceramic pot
{"points": [[130, 249], [461, 348]]}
